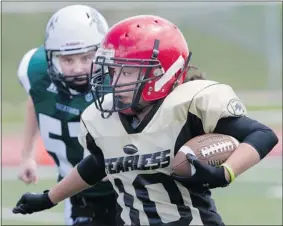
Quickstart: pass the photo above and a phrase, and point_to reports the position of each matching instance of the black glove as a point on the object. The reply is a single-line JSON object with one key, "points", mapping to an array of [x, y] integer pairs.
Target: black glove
{"points": [[31, 202], [205, 177]]}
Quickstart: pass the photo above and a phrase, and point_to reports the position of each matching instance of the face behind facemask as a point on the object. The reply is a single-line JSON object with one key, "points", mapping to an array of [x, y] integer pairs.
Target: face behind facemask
{"points": [[68, 39], [72, 72]]}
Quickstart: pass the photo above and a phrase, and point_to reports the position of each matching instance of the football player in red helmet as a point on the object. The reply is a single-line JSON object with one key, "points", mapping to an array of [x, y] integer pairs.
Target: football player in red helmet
{"points": [[147, 57], [148, 116]]}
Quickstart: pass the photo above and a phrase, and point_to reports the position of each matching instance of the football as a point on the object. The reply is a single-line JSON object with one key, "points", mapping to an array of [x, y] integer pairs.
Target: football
{"points": [[212, 149]]}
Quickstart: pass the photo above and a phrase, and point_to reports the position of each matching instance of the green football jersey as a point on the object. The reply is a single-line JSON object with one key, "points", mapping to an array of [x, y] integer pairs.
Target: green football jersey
{"points": [[58, 116]]}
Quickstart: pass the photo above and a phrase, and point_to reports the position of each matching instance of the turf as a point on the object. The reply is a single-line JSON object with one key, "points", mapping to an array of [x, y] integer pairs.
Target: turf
{"points": [[250, 200]]}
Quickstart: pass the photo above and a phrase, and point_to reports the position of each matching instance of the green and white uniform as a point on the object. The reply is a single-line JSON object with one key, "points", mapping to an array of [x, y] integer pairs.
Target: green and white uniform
{"points": [[58, 118]]}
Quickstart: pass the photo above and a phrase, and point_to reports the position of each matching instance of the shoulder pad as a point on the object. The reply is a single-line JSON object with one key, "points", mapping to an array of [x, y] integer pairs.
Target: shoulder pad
{"points": [[23, 69], [215, 102], [32, 68]]}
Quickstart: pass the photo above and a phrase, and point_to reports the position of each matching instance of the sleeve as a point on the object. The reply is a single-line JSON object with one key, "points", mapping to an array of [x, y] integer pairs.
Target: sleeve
{"points": [[247, 130], [216, 102], [23, 69], [91, 170]]}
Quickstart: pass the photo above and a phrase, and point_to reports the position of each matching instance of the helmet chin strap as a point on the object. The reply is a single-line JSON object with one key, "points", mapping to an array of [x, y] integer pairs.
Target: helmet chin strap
{"points": [[78, 89], [139, 108], [137, 99], [134, 109]]}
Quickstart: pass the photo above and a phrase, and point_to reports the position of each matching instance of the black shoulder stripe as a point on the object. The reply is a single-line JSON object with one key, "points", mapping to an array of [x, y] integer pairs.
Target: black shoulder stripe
{"points": [[84, 125], [90, 143]]}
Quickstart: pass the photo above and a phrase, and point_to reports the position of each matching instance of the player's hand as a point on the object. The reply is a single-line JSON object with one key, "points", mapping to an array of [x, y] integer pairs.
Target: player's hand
{"points": [[205, 176], [28, 171], [32, 202]]}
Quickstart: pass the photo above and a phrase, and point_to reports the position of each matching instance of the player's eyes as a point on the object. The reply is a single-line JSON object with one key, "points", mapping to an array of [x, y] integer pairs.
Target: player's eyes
{"points": [[68, 60], [88, 57], [85, 59], [115, 72], [126, 73]]}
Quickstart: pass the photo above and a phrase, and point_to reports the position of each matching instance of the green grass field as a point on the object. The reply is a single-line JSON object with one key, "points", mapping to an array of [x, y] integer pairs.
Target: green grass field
{"points": [[254, 199], [222, 60]]}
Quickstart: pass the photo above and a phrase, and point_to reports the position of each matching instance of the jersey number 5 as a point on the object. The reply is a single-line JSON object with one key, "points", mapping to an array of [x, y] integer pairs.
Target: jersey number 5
{"points": [[49, 126]]}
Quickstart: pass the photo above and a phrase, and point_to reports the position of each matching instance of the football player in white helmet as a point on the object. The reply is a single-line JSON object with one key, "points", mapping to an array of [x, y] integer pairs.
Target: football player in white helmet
{"points": [[135, 130], [57, 79]]}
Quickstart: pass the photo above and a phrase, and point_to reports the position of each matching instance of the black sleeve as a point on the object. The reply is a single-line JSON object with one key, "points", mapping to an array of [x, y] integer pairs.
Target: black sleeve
{"points": [[247, 130], [92, 168]]}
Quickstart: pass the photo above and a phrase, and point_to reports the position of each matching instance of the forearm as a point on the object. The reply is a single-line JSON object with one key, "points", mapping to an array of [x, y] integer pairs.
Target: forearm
{"points": [[243, 158], [30, 130], [87, 173], [69, 186]]}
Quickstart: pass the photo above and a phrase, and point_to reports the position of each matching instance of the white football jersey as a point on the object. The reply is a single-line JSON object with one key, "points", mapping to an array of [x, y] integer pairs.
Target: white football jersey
{"points": [[138, 164]]}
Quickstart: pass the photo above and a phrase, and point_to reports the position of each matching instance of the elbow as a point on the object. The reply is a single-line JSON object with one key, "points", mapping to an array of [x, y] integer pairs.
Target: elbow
{"points": [[263, 141], [272, 138], [249, 131], [86, 168]]}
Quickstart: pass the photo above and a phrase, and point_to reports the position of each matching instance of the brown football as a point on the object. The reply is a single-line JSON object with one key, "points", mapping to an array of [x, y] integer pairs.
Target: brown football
{"points": [[212, 149]]}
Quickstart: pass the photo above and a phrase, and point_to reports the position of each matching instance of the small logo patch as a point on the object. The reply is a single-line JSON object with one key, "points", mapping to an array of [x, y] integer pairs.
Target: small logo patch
{"points": [[235, 107], [88, 97], [52, 88]]}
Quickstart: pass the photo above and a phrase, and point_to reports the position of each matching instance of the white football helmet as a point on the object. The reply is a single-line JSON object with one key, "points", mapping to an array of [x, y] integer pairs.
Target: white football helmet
{"points": [[72, 30]]}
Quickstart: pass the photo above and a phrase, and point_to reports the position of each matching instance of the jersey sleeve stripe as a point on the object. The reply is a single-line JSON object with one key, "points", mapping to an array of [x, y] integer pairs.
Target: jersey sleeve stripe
{"points": [[23, 69]]}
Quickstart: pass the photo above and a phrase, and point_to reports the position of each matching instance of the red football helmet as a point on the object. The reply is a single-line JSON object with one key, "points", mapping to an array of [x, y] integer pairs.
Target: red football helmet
{"points": [[152, 44]]}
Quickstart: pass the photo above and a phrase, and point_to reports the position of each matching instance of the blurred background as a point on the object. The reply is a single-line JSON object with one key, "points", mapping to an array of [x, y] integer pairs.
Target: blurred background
{"points": [[239, 44]]}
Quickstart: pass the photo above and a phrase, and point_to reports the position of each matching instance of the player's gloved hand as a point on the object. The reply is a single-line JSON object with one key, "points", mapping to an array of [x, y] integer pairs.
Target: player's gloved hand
{"points": [[31, 202], [205, 176]]}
